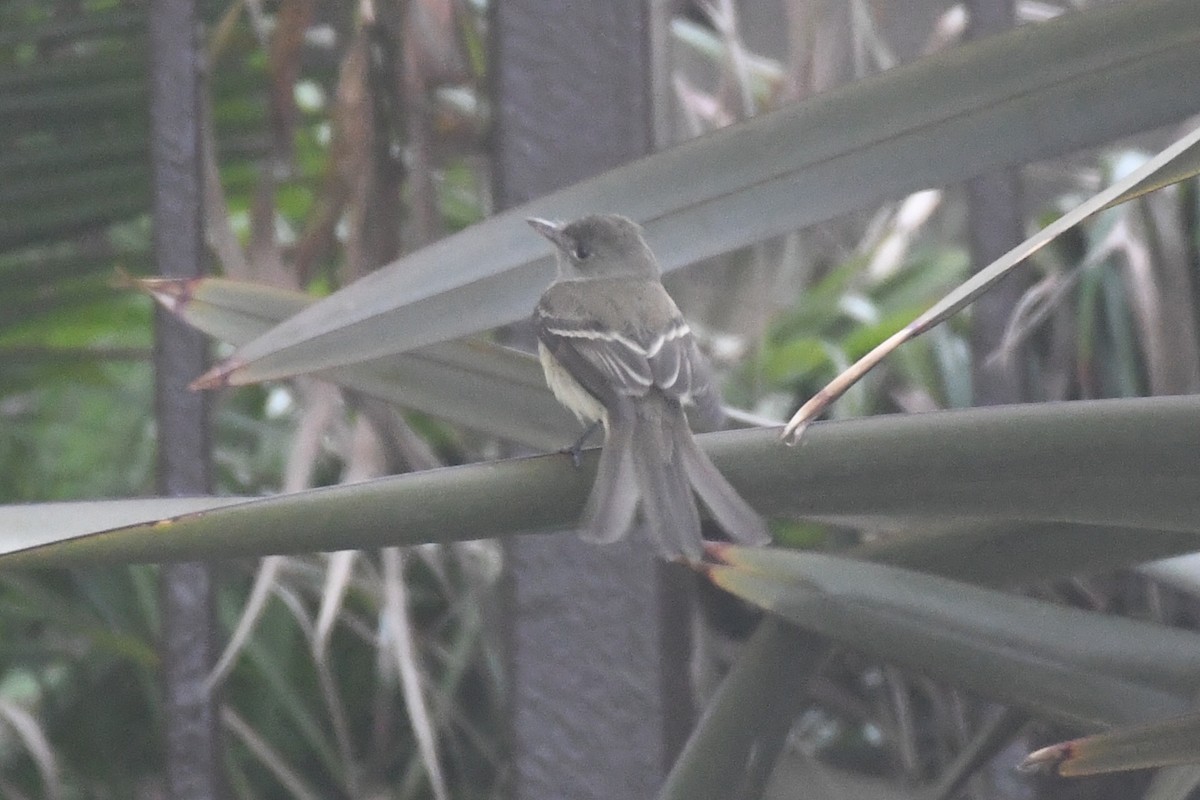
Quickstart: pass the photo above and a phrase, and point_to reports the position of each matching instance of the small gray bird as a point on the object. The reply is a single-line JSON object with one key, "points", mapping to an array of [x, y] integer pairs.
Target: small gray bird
{"points": [[616, 349]]}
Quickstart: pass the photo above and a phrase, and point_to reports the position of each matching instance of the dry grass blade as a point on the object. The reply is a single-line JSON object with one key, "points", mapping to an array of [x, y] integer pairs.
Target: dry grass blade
{"points": [[260, 593], [337, 580], [349, 154], [399, 630], [37, 745], [271, 760], [337, 576], [321, 403], [995, 733], [1160, 240], [1152, 170], [283, 64]]}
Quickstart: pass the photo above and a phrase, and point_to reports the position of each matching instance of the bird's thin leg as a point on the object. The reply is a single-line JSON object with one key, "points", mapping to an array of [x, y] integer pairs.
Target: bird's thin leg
{"points": [[576, 449]]}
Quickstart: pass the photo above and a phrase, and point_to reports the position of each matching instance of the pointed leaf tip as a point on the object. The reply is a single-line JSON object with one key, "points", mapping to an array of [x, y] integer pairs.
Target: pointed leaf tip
{"points": [[1048, 759], [123, 279], [170, 293], [716, 551], [217, 377]]}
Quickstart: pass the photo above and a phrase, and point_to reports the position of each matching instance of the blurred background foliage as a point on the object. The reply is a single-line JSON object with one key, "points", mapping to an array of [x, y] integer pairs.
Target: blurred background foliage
{"points": [[343, 135]]}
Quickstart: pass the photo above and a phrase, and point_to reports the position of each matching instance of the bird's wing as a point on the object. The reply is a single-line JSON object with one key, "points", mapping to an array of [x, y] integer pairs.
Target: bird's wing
{"points": [[607, 364], [629, 357]]}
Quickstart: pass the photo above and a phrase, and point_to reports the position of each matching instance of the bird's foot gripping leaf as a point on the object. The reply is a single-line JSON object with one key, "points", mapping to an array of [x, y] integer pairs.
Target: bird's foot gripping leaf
{"points": [[575, 449]]}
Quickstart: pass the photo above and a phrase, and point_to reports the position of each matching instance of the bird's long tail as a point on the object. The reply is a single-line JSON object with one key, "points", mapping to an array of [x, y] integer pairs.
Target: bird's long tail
{"points": [[668, 508], [728, 508], [612, 503], [651, 457]]}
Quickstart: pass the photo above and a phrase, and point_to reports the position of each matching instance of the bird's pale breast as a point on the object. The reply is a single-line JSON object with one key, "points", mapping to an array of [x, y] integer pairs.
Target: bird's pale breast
{"points": [[567, 389]]}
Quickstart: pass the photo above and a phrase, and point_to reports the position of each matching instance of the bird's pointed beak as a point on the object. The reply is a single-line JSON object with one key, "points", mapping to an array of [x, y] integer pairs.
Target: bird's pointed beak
{"points": [[552, 231]]}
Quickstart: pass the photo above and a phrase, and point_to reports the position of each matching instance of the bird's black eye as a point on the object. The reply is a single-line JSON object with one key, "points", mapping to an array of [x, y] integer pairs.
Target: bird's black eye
{"points": [[582, 252]]}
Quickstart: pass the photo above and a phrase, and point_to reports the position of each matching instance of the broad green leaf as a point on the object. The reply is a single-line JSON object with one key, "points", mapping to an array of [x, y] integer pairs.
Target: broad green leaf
{"points": [[1157, 744], [1034, 93], [1007, 552], [443, 505], [1173, 783], [1052, 660], [475, 383], [747, 720], [33, 524], [1129, 463], [718, 753]]}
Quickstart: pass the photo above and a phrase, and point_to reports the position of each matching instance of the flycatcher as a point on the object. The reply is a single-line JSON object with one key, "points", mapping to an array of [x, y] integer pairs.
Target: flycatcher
{"points": [[616, 349]]}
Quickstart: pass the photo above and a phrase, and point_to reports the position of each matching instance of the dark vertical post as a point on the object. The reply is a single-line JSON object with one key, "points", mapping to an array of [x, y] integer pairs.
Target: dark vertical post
{"points": [[598, 636], [186, 589], [994, 227]]}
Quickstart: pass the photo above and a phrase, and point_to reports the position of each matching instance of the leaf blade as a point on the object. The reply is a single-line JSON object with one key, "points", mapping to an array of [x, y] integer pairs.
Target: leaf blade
{"points": [[1053, 660], [934, 122]]}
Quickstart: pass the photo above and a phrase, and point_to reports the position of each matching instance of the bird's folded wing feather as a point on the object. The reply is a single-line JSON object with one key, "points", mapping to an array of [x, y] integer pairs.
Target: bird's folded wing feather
{"points": [[628, 363]]}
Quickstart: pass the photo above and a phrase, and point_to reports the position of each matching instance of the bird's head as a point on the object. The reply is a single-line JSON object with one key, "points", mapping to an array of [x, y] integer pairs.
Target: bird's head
{"points": [[598, 246]]}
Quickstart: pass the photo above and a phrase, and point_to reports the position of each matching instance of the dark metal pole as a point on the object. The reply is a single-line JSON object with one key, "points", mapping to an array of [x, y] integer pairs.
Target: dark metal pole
{"points": [[599, 697], [193, 758], [994, 227]]}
